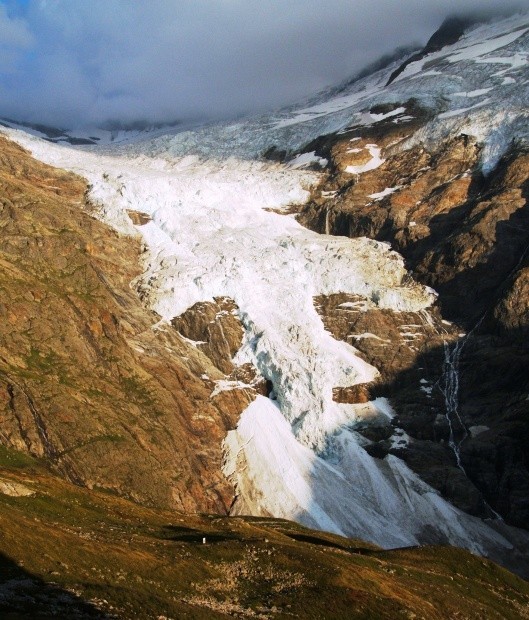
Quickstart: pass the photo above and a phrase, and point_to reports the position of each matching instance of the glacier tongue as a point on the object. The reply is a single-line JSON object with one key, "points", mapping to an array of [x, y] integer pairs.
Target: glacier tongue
{"points": [[212, 234], [380, 501]]}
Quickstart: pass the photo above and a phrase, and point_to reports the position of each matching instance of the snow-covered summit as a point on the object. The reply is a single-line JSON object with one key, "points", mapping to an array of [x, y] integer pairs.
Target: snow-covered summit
{"points": [[478, 84]]}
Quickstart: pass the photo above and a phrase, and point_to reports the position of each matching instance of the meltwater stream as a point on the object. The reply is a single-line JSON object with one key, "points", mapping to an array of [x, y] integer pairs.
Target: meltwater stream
{"points": [[449, 386]]}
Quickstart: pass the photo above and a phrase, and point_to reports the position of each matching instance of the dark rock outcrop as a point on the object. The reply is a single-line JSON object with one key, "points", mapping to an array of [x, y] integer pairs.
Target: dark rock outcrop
{"points": [[451, 30], [467, 236]]}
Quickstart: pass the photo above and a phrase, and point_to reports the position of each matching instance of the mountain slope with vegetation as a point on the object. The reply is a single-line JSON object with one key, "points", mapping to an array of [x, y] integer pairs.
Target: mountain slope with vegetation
{"points": [[87, 378], [71, 552]]}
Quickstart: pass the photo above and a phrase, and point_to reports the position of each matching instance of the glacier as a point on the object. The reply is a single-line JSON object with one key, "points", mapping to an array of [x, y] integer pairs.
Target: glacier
{"points": [[219, 226]]}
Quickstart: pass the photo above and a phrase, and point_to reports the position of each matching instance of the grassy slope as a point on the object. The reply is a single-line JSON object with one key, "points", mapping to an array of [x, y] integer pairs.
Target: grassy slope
{"points": [[133, 562]]}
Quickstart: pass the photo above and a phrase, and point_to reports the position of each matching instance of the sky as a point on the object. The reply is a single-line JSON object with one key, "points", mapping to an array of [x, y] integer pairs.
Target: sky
{"points": [[71, 63]]}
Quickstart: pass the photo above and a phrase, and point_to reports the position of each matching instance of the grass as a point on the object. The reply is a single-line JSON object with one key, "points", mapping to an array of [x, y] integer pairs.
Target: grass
{"points": [[14, 460], [150, 563]]}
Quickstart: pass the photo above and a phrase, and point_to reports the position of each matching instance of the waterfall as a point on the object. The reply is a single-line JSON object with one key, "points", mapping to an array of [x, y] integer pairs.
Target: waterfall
{"points": [[450, 388]]}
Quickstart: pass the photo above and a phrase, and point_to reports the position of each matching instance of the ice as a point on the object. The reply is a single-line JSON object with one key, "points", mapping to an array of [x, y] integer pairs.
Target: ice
{"points": [[329, 107], [384, 407], [375, 162], [377, 500], [516, 61], [386, 192]]}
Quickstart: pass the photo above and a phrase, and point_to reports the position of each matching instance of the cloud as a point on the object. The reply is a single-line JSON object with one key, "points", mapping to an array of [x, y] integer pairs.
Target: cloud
{"points": [[72, 62], [15, 38]]}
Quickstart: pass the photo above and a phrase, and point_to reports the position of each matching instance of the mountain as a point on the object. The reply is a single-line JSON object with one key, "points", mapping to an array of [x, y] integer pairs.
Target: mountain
{"points": [[110, 133], [276, 356], [90, 379]]}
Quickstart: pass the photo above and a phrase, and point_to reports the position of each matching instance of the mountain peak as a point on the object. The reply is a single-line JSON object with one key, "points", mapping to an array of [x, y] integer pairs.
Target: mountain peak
{"points": [[450, 31]]}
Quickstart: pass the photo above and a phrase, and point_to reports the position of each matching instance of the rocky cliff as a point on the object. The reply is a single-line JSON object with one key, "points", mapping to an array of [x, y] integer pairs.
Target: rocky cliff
{"points": [[466, 234], [90, 380]]}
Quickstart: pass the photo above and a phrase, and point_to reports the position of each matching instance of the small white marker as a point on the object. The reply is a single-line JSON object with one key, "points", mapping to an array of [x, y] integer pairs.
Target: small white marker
{"points": [[204, 540]]}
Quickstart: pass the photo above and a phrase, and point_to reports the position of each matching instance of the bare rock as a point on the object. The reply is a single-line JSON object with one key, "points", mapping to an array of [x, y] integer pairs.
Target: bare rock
{"points": [[88, 379]]}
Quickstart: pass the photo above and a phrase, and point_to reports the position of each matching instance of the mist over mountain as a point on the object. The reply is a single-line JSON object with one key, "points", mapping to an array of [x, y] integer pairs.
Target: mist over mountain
{"points": [[69, 63]]}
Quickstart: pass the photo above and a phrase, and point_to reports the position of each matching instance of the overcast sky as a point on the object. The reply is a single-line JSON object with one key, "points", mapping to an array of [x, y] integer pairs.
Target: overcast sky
{"points": [[74, 62]]}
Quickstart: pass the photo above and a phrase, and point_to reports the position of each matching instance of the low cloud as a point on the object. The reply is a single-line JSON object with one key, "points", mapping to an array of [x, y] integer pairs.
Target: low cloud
{"points": [[15, 39], [73, 62]]}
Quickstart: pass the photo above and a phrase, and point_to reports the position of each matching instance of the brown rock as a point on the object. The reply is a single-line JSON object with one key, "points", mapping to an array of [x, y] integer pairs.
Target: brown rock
{"points": [[86, 382], [216, 328], [467, 236]]}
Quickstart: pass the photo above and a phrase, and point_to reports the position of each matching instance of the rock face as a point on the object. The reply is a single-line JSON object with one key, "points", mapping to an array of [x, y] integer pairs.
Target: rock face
{"points": [[466, 235], [216, 329], [89, 379]]}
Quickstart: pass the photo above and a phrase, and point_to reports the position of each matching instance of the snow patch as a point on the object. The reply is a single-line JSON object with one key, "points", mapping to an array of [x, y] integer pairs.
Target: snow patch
{"points": [[473, 93], [474, 52], [375, 162], [306, 159], [368, 335], [386, 192], [460, 111], [400, 439], [377, 118]]}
